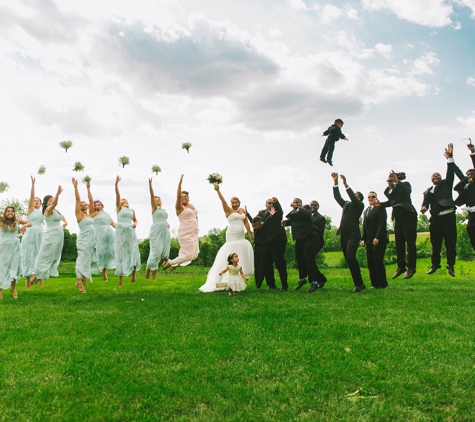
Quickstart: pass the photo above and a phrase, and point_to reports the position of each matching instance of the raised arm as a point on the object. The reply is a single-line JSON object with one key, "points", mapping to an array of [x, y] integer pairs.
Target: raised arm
{"points": [[77, 208], [31, 203], [248, 228], [117, 194], [178, 205], [226, 208], [152, 196], [350, 193], [49, 210], [63, 219], [336, 191], [92, 211], [134, 219]]}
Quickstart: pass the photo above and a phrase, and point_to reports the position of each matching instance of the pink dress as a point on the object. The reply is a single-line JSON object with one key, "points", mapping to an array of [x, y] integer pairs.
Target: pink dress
{"points": [[187, 237]]}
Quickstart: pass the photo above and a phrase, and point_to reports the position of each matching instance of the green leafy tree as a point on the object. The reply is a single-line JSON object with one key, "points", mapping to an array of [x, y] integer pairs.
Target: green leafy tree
{"points": [[422, 223], [70, 251]]}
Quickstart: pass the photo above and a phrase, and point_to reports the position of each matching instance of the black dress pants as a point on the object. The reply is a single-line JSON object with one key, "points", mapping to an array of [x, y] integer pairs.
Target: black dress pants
{"points": [[305, 254], [276, 255], [471, 228], [376, 267], [349, 248], [405, 232], [443, 228], [263, 266], [328, 148]]}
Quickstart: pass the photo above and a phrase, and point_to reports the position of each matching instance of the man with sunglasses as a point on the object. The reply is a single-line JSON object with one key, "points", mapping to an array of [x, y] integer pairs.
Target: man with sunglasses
{"points": [[375, 238]]}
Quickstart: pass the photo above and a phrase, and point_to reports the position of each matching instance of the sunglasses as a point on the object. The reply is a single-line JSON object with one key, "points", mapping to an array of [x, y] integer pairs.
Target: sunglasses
{"points": [[371, 197]]}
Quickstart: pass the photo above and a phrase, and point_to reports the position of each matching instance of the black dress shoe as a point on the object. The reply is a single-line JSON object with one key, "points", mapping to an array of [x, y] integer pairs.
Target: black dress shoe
{"points": [[398, 272], [329, 162], [323, 160], [409, 273], [283, 289], [359, 288], [271, 287], [321, 283], [433, 269], [450, 270], [312, 288], [301, 284]]}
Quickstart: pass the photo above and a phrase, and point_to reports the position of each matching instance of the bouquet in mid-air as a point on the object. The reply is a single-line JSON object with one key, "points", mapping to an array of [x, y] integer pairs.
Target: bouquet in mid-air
{"points": [[86, 179], [187, 146], [3, 187], [42, 170], [215, 178]]}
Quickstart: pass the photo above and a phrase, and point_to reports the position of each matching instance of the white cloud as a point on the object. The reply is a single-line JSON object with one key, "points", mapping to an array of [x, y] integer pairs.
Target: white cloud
{"points": [[469, 121], [329, 14], [298, 4], [468, 3], [420, 66], [352, 14], [383, 48], [457, 26], [423, 12], [275, 32], [471, 81]]}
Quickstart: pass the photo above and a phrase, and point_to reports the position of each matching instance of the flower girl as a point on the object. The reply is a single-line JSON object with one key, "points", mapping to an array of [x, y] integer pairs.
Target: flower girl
{"points": [[234, 276]]}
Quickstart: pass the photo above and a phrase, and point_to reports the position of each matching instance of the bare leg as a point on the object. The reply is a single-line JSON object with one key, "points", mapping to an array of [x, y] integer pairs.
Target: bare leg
{"points": [[120, 281], [162, 261], [134, 273], [167, 264], [1, 296], [104, 274], [154, 275], [41, 283], [173, 269], [84, 281], [30, 281], [79, 286], [14, 292], [147, 274]]}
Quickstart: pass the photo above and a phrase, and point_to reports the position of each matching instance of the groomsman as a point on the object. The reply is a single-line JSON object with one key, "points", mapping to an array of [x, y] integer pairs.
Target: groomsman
{"points": [[306, 242], [350, 228], [276, 238], [466, 191], [319, 222], [375, 238], [442, 223], [262, 265], [405, 226]]}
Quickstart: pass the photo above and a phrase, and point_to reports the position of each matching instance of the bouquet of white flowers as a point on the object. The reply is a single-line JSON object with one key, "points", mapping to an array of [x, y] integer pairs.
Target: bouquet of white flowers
{"points": [[215, 178], [66, 145]]}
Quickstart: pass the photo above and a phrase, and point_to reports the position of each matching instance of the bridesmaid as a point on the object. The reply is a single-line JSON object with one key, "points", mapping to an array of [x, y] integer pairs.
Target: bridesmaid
{"points": [[127, 254], [30, 244], [187, 231], [103, 224], [86, 241], [10, 251], [159, 236], [49, 255]]}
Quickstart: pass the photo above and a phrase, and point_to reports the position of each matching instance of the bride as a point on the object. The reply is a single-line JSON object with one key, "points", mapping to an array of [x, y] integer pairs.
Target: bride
{"points": [[235, 243]]}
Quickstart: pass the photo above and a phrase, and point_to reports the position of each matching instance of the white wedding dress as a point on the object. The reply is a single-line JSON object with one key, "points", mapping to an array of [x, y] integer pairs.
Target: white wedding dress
{"points": [[235, 243]]}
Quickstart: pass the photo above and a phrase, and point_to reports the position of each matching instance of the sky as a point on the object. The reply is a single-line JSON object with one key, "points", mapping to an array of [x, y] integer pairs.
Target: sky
{"points": [[251, 84]]}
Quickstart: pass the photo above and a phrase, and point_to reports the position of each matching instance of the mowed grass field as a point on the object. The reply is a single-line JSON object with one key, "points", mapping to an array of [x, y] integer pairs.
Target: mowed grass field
{"points": [[164, 351]]}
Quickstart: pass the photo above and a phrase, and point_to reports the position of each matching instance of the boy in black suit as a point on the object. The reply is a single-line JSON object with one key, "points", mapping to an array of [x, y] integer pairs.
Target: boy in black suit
{"points": [[334, 135], [375, 238]]}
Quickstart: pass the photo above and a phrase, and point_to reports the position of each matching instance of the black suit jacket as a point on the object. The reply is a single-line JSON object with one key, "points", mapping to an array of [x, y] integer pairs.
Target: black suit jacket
{"points": [[334, 133], [399, 199], [300, 220], [274, 230], [375, 224], [441, 198], [319, 222], [350, 217], [466, 190]]}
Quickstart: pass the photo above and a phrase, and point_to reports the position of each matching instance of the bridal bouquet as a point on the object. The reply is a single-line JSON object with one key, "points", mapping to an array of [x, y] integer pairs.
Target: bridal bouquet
{"points": [[86, 179], [3, 187], [78, 166], [124, 161], [156, 169], [187, 146], [42, 170], [215, 178], [66, 145]]}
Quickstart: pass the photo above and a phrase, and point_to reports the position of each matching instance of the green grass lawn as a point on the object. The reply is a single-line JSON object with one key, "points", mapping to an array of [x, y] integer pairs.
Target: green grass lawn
{"points": [[163, 351]]}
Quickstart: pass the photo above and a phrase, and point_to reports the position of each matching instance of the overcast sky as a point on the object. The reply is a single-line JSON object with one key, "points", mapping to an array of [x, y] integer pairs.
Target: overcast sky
{"points": [[251, 84]]}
